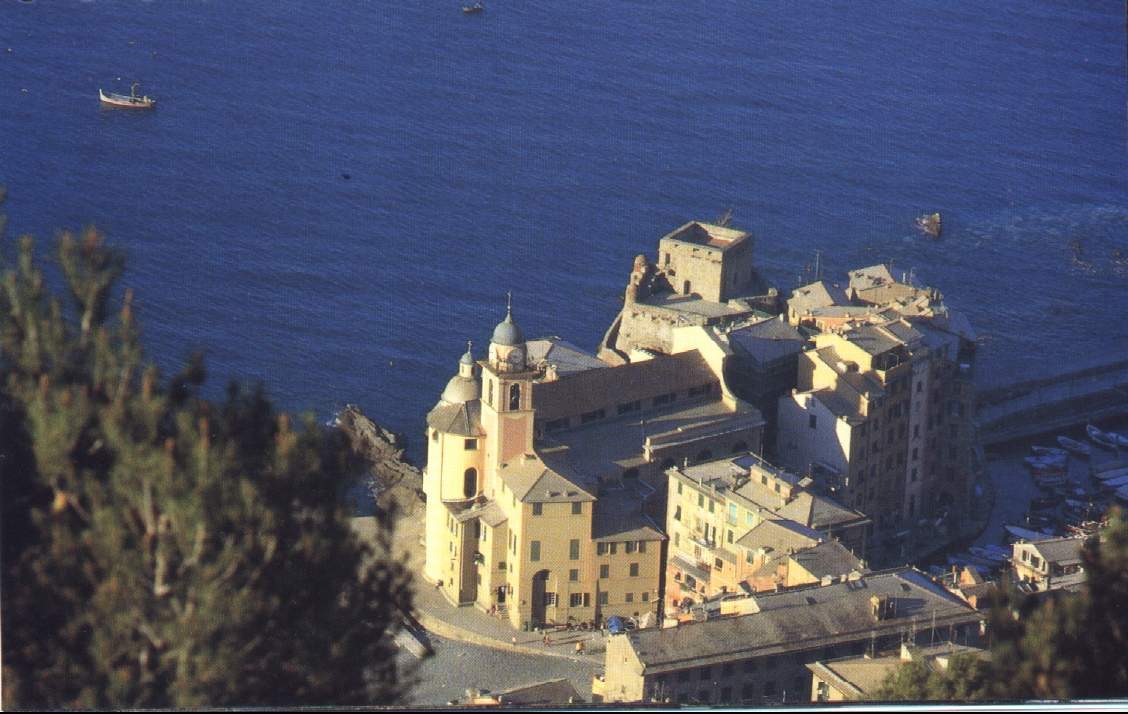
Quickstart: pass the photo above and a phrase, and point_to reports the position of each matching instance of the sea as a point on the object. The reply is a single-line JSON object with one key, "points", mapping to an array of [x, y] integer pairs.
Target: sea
{"points": [[333, 197]]}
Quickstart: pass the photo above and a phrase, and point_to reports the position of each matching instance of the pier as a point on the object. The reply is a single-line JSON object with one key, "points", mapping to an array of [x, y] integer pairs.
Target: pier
{"points": [[1035, 406]]}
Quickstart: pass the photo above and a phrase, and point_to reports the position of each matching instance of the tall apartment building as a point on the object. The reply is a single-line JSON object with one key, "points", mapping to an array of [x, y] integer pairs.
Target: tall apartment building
{"points": [[882, 412], [545, 471], [739, 524]]}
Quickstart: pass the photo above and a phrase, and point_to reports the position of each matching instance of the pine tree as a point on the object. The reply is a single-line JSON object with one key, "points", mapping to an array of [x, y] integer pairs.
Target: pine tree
{"points": [[1067, 647], [161, 550]]}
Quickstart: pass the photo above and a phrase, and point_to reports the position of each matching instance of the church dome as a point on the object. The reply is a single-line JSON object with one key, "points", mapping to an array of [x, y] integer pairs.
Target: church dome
{"points": [[507, 333], [460, 390]]}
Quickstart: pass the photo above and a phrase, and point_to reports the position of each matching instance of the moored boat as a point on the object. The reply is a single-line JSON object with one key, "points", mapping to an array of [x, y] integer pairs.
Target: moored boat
{"points": [[1049, 451], [1075, 447], [1107, 439], [471, 9], [127, 101], [1111, 474]]}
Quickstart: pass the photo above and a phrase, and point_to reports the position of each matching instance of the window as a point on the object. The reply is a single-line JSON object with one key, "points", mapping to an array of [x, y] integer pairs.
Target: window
{"points": [[601, 549], [605, 571], [603, 598], [501, 565], [642, 546], [630, 597], [718, 564], [614, 547], [730, 536], [677, 538], [470, 444], [732, 514], [470, 483], [489, 392], [589, 417], [514, 397], [573, 549], [646, 597], [679, 483], [628, 407], [556, 424], [700, 500], [577, 508], [634, 570], [538, 509], [813, 421], [435, 435], [534, 551], [550, 599], [630, 546], [576, 600]]}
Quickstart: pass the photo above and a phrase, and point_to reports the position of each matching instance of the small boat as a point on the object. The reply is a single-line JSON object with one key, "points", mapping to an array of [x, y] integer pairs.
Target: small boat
{"points": [[1049, 451], [127, 101], [1111, 474], [1107, 439], [471, 9], [929, 224], [1075, 447]]}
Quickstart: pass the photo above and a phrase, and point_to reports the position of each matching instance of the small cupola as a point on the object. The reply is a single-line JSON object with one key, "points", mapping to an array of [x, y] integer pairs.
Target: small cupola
{"points": [[465, 386], [507, 346]]}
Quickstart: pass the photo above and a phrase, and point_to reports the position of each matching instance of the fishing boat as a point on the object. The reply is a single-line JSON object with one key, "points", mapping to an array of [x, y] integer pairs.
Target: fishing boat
{"points": [[1049, 451], [471, 9], [929, 224], [1075, 447], [127, 101]]}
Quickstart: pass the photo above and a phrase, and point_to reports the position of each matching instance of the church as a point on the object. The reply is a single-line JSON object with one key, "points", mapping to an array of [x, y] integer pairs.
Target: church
{"points": [[546, 474]]}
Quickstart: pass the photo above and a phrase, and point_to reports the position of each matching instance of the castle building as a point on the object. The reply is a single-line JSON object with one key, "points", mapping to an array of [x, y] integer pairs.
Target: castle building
{"points": [[545, 474], [704, 276]]}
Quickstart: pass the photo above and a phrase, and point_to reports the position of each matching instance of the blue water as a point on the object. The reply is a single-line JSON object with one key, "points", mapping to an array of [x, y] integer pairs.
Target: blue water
{"points": [[540, 145]]}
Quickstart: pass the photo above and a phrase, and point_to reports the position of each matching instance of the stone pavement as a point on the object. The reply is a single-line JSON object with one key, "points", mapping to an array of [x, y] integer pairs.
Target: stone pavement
{"points": [[469, 624]]}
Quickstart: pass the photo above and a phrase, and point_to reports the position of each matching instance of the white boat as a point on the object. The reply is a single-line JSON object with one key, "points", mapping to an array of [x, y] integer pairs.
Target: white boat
{"points": [[1111, 474], [1049, 451], [1109, 439], [127, 101], [1075, 447], [1116, 483]]}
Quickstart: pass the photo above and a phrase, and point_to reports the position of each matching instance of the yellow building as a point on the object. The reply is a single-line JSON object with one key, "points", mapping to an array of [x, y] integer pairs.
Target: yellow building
{"points": [[736, 524], [545, 471]]}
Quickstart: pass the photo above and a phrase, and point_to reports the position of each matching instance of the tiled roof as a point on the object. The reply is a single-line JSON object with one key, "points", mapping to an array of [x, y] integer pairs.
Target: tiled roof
{"points": [[803, 618], [463, 419], [532, 481], [828, 558], [591, 389], [1060, 550], [816, 294], [563, 355], [776, 536], [818, 512]]}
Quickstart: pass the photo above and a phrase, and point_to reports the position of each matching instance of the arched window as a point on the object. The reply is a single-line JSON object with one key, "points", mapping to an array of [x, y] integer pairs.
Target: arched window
{"points": [[739, 446], [470, 483], [489, 392], [705, 455], [514, 397]]}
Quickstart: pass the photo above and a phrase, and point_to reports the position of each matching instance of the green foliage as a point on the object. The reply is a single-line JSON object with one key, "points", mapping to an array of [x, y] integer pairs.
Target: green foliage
{"points": [[1068, 646], [161, 550]]}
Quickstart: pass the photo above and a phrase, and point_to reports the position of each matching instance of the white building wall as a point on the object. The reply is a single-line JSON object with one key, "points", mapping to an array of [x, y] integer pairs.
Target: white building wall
{"points": [[799, 444]]}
